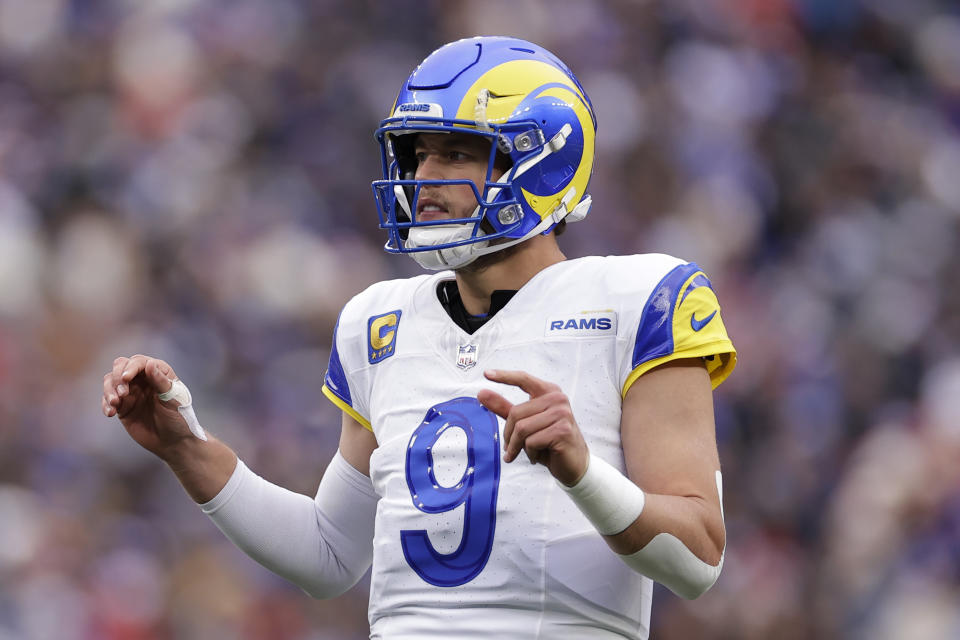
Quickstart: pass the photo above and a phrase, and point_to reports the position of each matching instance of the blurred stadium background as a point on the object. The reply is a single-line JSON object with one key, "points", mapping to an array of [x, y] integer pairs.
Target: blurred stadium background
{"points": [[190, 178]]}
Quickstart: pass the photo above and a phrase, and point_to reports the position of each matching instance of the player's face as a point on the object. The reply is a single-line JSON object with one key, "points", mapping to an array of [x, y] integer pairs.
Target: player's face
{"points": [[451, 156]]}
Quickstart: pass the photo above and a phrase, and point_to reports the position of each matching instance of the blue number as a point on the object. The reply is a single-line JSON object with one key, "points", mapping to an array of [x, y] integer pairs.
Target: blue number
{"points": [[477, 490]]}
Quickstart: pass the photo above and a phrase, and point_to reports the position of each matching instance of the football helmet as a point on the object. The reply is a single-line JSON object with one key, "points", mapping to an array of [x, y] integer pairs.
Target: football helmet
{"points": [[538, 119]]}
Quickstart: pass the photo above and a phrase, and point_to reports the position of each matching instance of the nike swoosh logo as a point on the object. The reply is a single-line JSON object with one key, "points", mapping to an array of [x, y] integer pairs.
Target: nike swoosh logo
{"points": [[696, 325]]}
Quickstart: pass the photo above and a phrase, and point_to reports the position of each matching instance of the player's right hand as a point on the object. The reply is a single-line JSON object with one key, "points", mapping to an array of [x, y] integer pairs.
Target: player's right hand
{"points": [[130, 392], [544, 427]]}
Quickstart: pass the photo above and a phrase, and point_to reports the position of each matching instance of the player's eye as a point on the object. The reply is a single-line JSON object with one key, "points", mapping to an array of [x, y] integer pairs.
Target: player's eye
{"points": [[458, 156]]}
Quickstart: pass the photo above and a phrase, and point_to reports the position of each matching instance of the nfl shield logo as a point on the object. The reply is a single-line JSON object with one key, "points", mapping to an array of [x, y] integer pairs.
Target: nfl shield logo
{"points": [[466, 356]]}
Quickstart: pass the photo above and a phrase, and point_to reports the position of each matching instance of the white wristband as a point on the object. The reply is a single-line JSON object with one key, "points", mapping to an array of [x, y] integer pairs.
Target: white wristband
{"points": [[179, 392], [609, 499]]}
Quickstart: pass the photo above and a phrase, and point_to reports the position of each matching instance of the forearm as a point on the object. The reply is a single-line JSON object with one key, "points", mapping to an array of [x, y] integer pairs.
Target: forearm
{"points": [[688, 518], [675, 540], [322, 545], [202, 467]]}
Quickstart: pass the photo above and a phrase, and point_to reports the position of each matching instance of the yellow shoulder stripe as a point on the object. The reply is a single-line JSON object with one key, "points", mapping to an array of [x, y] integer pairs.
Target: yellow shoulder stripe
{"points": [[721, 366], [350, 411]]}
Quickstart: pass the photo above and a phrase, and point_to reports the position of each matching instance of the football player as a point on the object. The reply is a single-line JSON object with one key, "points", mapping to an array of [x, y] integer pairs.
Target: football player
{"points": [[527, 441]]}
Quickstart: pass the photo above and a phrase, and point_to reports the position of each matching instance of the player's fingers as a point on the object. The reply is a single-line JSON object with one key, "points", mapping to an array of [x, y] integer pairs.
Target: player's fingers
{"points": [[543, 441], [133, 367], [523, 430], [495, 402], [121, 406], [517, 412], [114, 375], [118, 365], [504, 408], [110, 390], [107, 409], [561, 448], [160, 374], [537, 445], [532, 385], [530, 408], [523, 411]]}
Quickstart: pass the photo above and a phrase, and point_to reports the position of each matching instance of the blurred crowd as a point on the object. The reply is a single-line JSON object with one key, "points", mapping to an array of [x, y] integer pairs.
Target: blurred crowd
{"points": [[191, 179]]}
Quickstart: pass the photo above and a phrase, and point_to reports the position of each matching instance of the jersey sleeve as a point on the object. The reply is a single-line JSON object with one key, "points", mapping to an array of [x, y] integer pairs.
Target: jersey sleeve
{"points": [[681, 319], [336, 384]]}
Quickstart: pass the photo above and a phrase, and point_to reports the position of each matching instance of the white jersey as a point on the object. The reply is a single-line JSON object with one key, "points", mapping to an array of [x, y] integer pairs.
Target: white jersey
{"points": [[467, 546]]}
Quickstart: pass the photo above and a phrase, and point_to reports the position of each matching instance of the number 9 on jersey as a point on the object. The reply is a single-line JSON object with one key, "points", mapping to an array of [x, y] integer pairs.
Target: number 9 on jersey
{"points": [[476, 490]]}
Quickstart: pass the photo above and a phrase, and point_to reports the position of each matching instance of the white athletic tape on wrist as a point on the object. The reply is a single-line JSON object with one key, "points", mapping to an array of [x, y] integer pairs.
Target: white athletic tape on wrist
{"points": [[179, 392], [609, 499]]}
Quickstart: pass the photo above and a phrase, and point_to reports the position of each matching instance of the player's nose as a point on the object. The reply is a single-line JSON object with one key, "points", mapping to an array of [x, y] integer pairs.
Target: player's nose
{"points": [[429, 168]]}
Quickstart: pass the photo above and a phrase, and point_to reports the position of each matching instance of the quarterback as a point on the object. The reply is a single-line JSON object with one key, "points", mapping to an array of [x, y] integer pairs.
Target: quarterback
{"points": [[527, 442]]}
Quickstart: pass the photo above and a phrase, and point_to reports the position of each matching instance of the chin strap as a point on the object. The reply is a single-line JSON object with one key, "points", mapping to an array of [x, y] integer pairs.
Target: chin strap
{"points": [[480, 110], [455, 257], [580, 211], [449, 258]]}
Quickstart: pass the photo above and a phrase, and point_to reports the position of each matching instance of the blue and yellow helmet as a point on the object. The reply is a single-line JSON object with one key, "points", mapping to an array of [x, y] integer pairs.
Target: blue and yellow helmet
{"points": [[537, 116]]}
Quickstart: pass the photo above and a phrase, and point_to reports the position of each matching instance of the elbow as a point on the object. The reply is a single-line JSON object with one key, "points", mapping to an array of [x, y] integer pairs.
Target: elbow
{"points": [[691, 587], [323, 592], [668, 561], [693, 576], [334, 570], [331, 578], [327, 589]]}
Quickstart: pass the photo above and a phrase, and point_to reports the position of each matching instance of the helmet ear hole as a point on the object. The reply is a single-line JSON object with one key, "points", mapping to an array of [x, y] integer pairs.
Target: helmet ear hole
{"points": [[502, 162], [404, 150]]}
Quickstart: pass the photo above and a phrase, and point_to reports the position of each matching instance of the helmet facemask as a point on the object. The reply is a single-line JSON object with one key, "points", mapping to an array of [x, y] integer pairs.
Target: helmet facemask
{"points": [[444, 243]]}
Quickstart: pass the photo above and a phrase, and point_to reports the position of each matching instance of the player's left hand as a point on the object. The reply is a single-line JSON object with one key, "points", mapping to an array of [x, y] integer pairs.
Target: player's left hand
{"points": [[543, 426]]}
